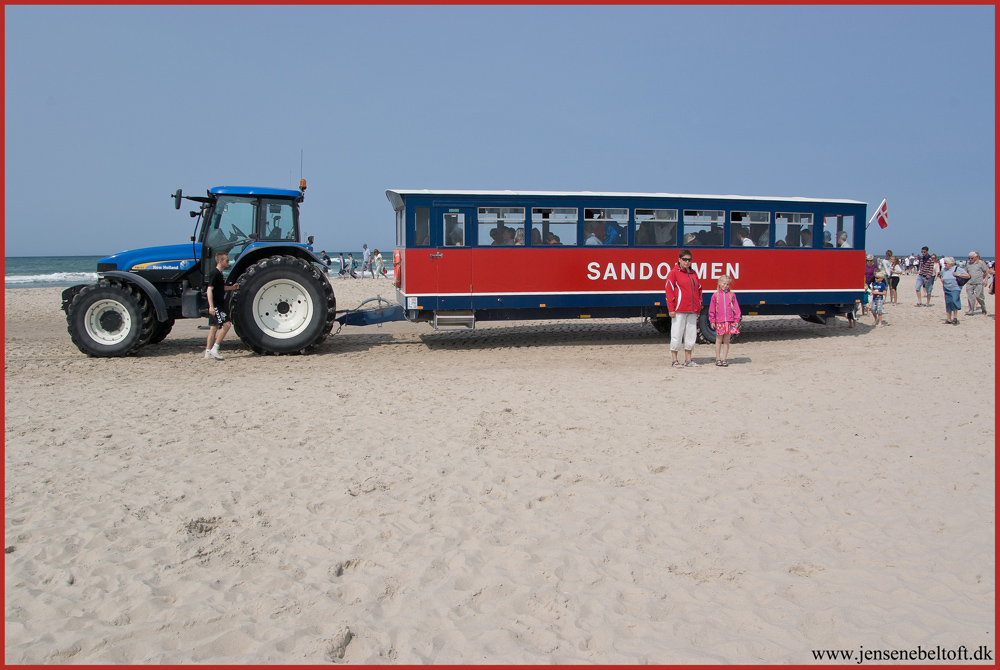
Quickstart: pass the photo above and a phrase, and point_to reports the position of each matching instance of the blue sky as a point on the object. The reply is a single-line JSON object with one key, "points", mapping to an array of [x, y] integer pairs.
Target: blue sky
{"points": [[110, 109]]}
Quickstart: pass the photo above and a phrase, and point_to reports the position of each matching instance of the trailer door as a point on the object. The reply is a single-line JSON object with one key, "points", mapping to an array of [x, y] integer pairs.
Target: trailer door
{"points": [[453, 259]]}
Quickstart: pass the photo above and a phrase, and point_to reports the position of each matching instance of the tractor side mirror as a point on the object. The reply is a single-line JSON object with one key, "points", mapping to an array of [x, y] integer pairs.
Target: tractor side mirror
{"points": [[177, 199], [193, 213], [309, 240]]}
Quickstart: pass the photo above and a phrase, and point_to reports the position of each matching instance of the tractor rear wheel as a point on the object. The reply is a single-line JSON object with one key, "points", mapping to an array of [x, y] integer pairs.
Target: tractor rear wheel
{"points": [[282, 305], [108, 319]]}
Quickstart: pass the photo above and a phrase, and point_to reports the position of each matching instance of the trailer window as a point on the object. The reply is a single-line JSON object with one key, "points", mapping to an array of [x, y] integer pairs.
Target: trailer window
{"points": [[838, 231], [656, 227], [749, 229], [793, 230], [554, 226], [501, 226], [422, 221], [454, 229], [704, 227], [607, 225]]}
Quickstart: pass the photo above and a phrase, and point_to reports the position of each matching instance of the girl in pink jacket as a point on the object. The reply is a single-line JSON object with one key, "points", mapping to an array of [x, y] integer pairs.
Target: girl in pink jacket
{"points": [[724, 315]]}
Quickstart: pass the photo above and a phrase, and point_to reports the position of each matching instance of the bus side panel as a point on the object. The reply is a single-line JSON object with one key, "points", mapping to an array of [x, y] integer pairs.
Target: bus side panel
{"points": [[520, 270], [419, 272]]}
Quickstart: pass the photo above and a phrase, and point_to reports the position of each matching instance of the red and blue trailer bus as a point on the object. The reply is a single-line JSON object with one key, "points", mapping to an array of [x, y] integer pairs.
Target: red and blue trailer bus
{"points": [[467, 256]]}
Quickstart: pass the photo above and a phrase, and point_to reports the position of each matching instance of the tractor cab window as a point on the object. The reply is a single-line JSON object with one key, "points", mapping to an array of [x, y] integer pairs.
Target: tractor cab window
{"points": [[279, 221], [231, 225]]}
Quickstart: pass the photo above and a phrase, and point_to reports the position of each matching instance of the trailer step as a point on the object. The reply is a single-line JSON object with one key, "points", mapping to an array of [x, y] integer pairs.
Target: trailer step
{"points": [[455, 320]]}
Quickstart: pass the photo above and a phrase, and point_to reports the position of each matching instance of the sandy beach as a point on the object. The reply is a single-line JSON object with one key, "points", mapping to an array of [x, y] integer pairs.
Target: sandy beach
{"points": [[528, 492]]}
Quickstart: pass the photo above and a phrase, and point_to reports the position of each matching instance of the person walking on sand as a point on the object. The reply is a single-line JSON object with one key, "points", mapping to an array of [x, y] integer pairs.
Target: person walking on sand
{"points": [[978, 271], [879, 288], [378, 265], [366, 261], [343, 267], [351, 264], [925, 275], [683, 293], [724, 315], [871, 267], [218, 320], [952, 291], [897, 271]]}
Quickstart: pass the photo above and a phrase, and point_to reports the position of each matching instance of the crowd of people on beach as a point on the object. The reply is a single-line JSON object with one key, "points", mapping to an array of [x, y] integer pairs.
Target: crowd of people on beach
{"points": [[371, 261], [882, 280], [684, 296]]}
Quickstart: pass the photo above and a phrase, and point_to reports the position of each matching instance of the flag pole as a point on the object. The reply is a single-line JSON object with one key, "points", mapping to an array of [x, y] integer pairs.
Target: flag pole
{"points": [[877, 210]]}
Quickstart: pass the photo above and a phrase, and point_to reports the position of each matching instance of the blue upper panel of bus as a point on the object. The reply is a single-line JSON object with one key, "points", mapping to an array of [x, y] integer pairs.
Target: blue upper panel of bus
{"points": [[254, 190]]}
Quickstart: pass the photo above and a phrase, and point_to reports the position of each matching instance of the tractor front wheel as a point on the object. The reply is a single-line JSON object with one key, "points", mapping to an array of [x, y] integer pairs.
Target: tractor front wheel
{"points": [[109, 319]]}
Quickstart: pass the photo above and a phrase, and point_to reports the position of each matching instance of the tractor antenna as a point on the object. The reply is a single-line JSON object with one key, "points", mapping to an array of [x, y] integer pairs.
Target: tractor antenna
{"points": [[301, 154]]}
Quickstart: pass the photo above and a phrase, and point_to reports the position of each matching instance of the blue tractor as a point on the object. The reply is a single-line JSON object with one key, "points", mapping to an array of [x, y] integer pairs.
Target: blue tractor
{"points": [[282, 302]]}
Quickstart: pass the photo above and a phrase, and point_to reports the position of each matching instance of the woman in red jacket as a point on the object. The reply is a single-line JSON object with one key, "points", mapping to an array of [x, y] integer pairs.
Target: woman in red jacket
{"points": [[683, 304]]}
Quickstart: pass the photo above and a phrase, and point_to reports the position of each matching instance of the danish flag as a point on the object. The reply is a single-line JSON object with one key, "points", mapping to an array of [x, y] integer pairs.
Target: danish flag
{"points": [[881, 215]]}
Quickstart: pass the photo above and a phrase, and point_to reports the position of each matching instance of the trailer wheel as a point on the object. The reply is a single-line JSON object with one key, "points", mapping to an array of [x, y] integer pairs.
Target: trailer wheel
{"points": [[813, 318], [662, 324], [706, 331], [107, 319], [282, 305]]}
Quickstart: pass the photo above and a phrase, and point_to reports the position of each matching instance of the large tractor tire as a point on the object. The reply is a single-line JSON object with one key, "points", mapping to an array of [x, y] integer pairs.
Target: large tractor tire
{"points": [[282, 305], [110, 318], [160, 330]]}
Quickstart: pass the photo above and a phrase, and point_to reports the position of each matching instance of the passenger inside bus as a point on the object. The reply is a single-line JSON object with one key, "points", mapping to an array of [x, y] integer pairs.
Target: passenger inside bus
{"points": [[741, 237], [760, 233], [591, 231]]}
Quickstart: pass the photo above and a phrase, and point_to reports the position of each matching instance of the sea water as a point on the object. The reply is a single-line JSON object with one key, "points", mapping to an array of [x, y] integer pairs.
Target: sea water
{"points": [[41, 271]]}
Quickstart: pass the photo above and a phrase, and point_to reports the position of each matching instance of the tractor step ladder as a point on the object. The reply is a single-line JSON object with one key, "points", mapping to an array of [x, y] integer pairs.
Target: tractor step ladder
{"points": [[455, 320]]}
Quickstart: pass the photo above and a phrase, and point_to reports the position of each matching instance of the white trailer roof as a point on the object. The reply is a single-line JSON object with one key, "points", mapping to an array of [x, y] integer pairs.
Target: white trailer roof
{"points": [[404, 192]]}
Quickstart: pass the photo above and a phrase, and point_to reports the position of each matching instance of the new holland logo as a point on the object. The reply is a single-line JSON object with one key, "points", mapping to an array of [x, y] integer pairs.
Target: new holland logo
{"points": [[164, 265]]}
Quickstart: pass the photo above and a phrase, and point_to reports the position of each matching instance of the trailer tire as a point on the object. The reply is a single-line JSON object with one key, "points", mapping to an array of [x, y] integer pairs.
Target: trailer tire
{"points": [[107, 319], [706, 331], [282, 305], [662, 324]]}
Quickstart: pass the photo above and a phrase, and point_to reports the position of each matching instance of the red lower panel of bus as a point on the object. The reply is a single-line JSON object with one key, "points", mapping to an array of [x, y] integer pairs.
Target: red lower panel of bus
{"points": [[600, 269]]}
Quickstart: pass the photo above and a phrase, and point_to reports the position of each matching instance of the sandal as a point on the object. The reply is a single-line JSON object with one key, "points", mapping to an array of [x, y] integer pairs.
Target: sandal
{"points": [[676, 364], [718, 363], [725, 364]]}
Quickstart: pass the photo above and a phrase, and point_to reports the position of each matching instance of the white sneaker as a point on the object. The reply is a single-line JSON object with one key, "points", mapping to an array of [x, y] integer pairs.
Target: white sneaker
{"points": [[208, 353], [213, 353]]}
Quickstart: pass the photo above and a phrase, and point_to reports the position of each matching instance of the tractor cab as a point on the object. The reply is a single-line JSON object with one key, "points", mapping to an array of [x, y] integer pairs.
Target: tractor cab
{"points": [[235, 219]]}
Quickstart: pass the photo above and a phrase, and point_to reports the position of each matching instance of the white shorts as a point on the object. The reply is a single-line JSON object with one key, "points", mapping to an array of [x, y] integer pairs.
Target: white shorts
{"points": [[683, 325]]}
